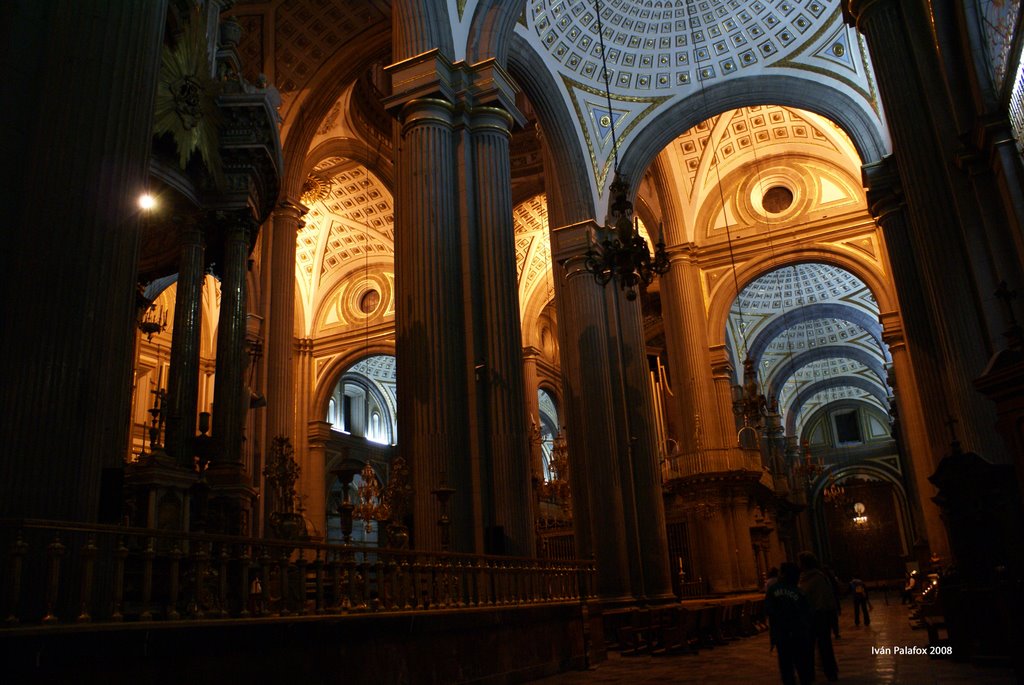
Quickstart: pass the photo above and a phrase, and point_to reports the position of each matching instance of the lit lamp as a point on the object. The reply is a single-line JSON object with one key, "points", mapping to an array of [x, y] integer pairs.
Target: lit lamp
{"points": [[860, 518]]}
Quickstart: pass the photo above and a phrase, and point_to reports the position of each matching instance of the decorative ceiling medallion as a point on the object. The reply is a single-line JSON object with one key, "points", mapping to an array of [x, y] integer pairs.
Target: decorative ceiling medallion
{"points": [[314, 189], [185, 105]]}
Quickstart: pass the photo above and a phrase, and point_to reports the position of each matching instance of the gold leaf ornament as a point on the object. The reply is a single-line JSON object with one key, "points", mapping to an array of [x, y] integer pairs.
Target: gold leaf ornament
{"points": [[186, 99]]}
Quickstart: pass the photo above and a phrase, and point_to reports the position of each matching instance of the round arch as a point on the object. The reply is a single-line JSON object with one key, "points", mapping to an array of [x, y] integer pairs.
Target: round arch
{"points": [[876, 472], [567, 185], [810, 312], [357, 151], [324, 90], [865, 130], [725, 292], [493, 25], [846, 403], [782, 374], [793, 410], [336, 367]]}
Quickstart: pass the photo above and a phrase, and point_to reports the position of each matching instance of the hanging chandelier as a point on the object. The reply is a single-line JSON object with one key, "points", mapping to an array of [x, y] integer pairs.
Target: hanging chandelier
{"points": [[834, 493], [371, 506], [809, 468], [624, 253], [621, 252]]}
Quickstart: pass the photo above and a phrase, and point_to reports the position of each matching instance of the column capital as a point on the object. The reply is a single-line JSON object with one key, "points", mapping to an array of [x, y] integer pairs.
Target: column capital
{"points": [[291, 208], [570, 243], [884, 189], [531, 353], [427, 76], [721, 366], [488, 85], [893, 333]]}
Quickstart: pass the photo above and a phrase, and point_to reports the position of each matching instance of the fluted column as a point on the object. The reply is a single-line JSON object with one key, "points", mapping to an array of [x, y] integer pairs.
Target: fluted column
{"points": [[314, 474], [504, 425], [183, 374], [430, 345], [936, 238], [722, 373], [914, 435], [280, 365], [530, 384], [689, 359], [312, 470], [231, 399], [641, 463], [69, 293], [589, 409]]}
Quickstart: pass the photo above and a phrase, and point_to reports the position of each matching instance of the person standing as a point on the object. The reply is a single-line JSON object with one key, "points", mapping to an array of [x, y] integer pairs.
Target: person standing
{"points": [[818, 588], [789, 625], [861, 602]]}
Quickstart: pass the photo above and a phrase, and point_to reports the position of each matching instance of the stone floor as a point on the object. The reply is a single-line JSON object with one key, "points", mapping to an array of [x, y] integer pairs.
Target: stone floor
{"points": [[749, 661]]}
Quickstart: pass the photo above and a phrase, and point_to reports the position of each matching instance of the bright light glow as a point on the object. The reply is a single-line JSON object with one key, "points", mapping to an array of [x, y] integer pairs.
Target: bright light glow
{"points": [[147, 201]]}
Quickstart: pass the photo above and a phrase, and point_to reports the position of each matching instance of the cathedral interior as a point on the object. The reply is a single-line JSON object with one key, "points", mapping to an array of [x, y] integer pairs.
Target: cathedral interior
{"points": [[437, 340]]}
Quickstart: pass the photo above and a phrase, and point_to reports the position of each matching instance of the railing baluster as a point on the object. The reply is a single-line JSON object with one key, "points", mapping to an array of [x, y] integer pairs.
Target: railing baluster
{"points": [[245, 589], [120, 554], [222, 580], [19, 548], [300, 566], [318, 571], [175, 567], [336, 596], [283, 564], [147, 580], [55, 550], [88, 568]]}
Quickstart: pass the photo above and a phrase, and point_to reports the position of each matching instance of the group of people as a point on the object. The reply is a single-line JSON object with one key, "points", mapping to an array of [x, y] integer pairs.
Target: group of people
{"points": [[802, 603]]}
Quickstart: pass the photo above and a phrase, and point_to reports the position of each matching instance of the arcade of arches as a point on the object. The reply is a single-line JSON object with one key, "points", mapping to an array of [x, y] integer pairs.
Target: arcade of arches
{"points": [[385, 259]]}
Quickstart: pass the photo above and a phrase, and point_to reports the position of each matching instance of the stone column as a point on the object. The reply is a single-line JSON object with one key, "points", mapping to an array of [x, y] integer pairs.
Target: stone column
{"points": [[312, 470], [500, 371], [689, 360], [183, 375], [68, 334], [287, 219], [231, 399], [430, 345], [936, 238], [589, 412], [919, 391], [530, 385], [742, 546], [721, 372], [711, 521], [640, 457], [314, 477]]}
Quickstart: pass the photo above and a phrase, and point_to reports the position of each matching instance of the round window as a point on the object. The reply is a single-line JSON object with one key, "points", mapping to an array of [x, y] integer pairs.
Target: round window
{"points": [[369, 301], [777, 199]]}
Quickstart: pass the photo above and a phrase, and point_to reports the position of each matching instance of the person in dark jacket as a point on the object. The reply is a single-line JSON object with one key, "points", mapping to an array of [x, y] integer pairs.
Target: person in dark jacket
{"points": [[861, 602], [789, 620], [818, 589]]}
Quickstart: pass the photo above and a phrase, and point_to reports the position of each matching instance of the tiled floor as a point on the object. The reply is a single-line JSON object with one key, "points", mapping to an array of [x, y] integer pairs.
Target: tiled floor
{"points": [[749, 661]]}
